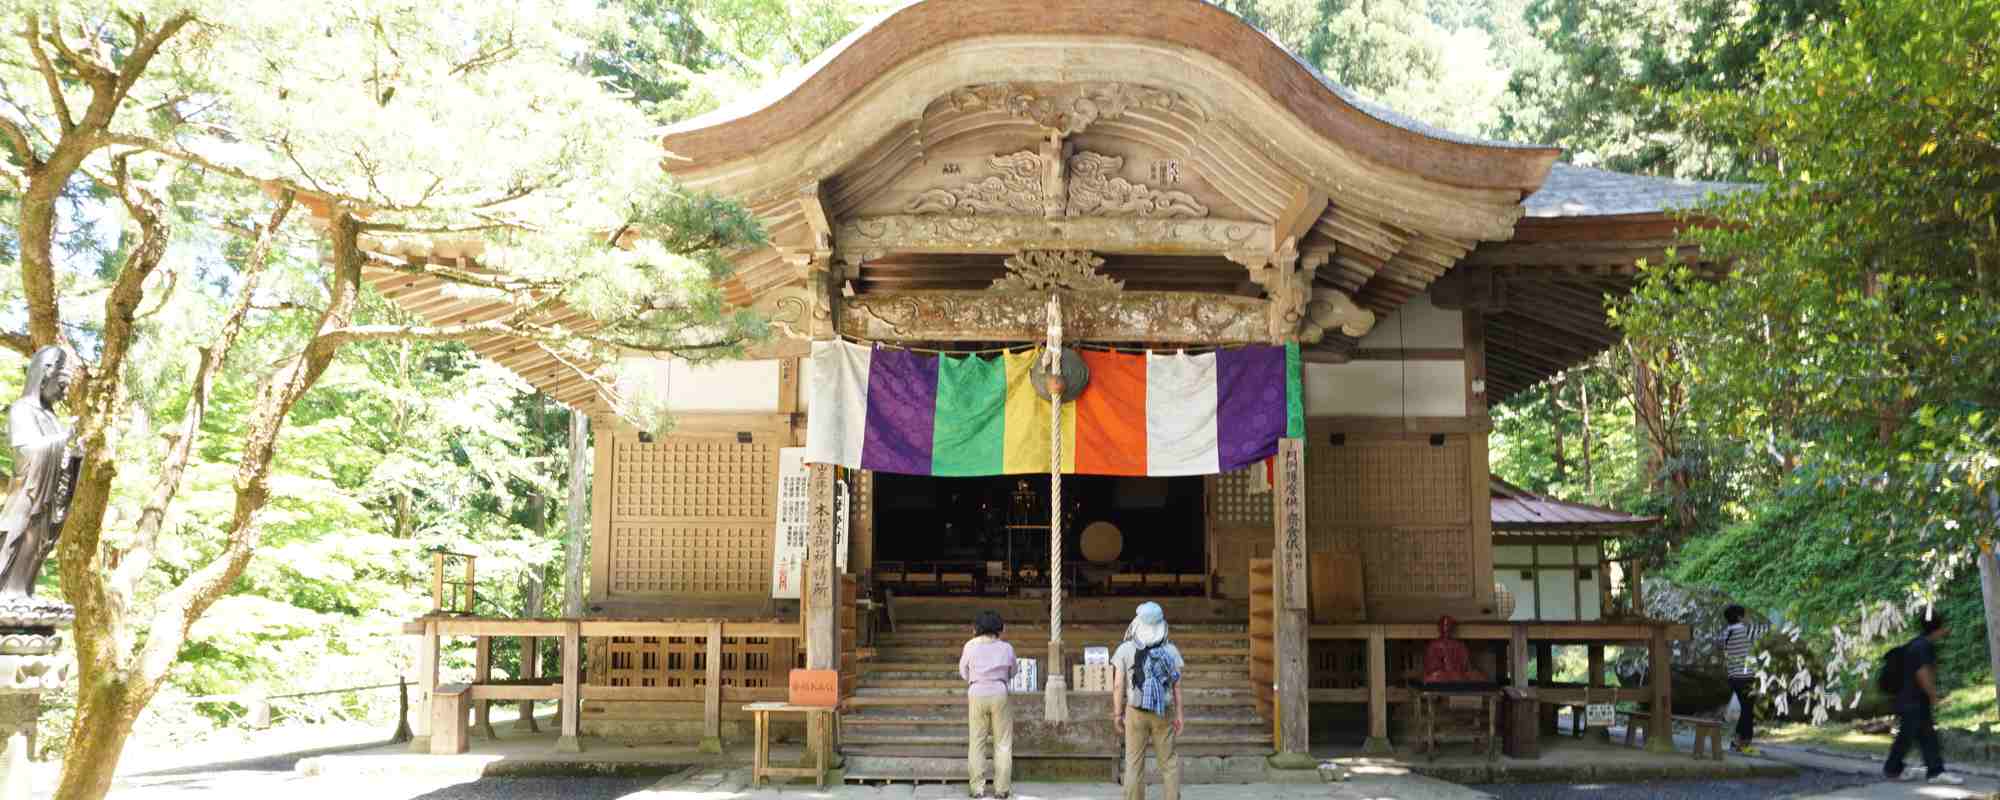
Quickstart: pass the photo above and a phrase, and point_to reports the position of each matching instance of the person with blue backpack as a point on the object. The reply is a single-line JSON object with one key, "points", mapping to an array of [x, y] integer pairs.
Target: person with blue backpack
{"points": [[1909, 673], [1148, 683]]}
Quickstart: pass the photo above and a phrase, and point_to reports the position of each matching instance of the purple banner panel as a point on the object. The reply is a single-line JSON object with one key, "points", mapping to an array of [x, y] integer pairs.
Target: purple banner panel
{"points": [[1250, 404], [902, 410]]}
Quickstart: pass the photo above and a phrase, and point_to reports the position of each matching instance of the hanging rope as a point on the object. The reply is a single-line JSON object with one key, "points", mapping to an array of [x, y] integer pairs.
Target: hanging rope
{"points": [[1054, 355]]}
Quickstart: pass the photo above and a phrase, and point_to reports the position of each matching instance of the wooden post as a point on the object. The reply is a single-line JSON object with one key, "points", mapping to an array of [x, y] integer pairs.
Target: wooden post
{"points": [[711, 713], [1596, 681], [1660, 735], [1378, 692], [1517, 656], [531, 668], [482, 671], [579, 506], [1545, 672], [572, 687], [820, 584], [437, 581], [1289, 573], [427, 681]]}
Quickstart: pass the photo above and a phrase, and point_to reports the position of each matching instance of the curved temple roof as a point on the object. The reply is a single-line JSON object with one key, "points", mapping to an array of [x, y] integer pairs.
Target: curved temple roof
{"points": [[1387, 203], [795, 106]]}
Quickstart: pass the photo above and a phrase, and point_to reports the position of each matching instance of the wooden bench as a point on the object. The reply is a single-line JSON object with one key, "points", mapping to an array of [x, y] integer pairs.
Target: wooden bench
{"points": [[449, 704], [1706, 731]]}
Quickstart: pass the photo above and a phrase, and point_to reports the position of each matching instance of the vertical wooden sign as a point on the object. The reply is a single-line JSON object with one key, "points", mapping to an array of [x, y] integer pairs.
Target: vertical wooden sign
{"points": [[821, 609], [1291, 522], [788, 551]]}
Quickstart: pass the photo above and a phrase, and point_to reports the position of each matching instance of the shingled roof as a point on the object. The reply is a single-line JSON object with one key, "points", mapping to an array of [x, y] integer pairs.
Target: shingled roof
{"points": [[1519, 511], [1573, 191]]}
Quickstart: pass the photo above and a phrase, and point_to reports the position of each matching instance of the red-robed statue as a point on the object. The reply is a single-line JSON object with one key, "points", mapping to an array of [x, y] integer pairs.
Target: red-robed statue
{"points": [[1446, 661]]}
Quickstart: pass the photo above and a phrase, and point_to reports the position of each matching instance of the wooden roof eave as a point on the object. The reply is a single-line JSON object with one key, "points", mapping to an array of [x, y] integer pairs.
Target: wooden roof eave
{"points": [[891, 46]]}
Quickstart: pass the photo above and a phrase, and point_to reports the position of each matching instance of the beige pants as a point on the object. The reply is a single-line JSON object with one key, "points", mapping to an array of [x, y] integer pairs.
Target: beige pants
{"points": [[992, 720], [1142, 727]]}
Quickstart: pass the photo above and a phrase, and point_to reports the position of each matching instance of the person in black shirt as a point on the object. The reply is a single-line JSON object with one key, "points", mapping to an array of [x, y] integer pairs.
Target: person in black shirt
{"points": [[1914, 703]]}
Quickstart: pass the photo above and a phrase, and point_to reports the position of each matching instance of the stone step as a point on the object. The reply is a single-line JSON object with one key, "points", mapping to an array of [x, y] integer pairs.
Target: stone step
{"points": [[1219, 708], [864, 698], [888, 720], [1212, 734], [898, 653], [939, 670], [877, 681], [1183, 747], [1195, 769]]}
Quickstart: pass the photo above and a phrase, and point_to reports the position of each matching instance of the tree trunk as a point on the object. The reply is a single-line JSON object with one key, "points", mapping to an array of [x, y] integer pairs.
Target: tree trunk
{"points": [[579, 505], [1589, 469], [1989, 588], [538, 521], [104, 721]]}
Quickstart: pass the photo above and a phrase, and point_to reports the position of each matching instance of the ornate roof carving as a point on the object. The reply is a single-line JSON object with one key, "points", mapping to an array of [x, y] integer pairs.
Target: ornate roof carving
{"points": [[1071, 109], [1020, 185], [1047, 270]]}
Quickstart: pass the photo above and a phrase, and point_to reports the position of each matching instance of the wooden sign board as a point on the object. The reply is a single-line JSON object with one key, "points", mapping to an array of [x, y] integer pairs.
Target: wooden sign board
{"points": [[1597, 715], [814, 687], [1291, 523]]}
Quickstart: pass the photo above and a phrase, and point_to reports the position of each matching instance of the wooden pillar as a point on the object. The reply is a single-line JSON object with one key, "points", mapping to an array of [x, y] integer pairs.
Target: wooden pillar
{"points": [[1596, 681], [711, 712], [1545, 671], [425, 687], [1289, 571], [821, 584], [1378, 692], [572, 687], [531, 668], [821, 581], [1660, 735], [482, 671], [1517, 656]]}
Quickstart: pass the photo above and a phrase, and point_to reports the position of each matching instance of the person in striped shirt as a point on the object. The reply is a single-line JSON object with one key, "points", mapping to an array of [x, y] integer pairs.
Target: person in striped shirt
{"points": [[1735, 641]]}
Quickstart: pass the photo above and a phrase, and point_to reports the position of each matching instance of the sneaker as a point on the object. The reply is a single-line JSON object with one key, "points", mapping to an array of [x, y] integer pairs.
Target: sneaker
{"points": [[1947, 779]]}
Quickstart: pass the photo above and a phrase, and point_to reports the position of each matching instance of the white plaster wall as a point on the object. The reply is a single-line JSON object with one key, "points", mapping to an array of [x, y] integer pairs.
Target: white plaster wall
{"points": [[1418, 325], [1386, 389], [722, 386]]}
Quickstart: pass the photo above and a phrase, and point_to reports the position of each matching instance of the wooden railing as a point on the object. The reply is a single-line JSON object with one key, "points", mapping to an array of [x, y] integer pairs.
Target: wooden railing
{"points": [[1263, 636]]}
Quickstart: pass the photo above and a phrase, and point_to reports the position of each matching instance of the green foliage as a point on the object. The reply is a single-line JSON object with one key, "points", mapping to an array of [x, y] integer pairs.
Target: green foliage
{"points": [[1445, 62], [1607, 91]]}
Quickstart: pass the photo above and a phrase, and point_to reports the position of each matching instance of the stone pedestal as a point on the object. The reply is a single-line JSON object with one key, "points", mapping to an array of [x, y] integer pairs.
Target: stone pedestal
{"points": [[29, 666]]}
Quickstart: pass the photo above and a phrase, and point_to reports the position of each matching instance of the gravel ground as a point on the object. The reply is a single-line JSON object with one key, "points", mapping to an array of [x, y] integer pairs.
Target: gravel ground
{"points": [[277, 785], [1807, 782]]}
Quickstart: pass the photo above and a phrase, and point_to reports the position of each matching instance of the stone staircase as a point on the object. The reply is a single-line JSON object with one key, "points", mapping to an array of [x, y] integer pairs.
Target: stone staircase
{"points": [[906, 720]]}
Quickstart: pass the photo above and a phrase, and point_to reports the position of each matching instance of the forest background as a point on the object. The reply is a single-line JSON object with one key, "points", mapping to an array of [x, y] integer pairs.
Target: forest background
{"points": [[1817, 433]]}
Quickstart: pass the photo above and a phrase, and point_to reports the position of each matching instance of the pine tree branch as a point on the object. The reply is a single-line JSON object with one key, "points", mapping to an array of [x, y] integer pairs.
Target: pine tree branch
{"points": [[50, 77], [138, 559], [17, 140], [180, 606]]}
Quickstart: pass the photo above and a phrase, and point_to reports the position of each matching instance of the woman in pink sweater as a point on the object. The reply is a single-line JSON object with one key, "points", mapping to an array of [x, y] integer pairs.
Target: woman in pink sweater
{"points": [[987, 664]]}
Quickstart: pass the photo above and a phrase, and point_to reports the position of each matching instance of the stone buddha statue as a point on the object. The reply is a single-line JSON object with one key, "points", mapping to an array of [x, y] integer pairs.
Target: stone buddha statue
{"points": [[1447, 662], [45, 470]]}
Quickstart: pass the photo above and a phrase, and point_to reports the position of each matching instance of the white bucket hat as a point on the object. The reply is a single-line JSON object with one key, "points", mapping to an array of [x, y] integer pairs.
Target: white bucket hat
{"points": [[1149, 625]]}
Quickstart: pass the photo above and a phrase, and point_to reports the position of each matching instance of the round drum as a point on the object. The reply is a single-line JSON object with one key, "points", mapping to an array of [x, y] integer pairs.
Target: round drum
{"points": [[1102, 542]]}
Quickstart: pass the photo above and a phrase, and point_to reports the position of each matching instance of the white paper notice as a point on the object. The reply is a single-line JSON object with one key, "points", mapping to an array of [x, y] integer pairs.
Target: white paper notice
{"points": [[788, 553]]}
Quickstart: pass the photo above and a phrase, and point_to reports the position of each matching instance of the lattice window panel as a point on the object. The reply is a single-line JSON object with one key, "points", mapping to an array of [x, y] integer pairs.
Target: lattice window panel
{"points": [[691, 558], [1387, 483], [1421, 562], [1338, 664], [682, 661], [689, 478], [1236, 504]]}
